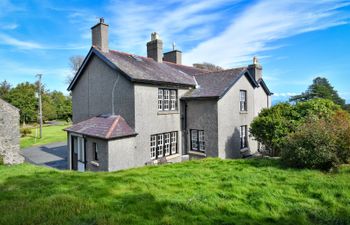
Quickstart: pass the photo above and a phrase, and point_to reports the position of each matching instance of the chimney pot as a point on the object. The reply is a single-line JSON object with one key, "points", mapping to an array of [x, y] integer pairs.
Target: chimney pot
{"points": [[255, 69]]}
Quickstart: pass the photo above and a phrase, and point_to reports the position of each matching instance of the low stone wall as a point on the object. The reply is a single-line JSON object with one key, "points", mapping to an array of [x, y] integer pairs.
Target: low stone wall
{"points": [[9, 134]]}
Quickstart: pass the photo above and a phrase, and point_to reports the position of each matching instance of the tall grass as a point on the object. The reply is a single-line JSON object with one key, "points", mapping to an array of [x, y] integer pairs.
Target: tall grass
{"points": [[209, 191]]}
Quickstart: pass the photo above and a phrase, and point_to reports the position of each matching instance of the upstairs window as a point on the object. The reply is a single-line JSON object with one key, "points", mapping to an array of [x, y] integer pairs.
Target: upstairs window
{"points": [[243, 135], [167, 99], [197, 140], [243, 100]]}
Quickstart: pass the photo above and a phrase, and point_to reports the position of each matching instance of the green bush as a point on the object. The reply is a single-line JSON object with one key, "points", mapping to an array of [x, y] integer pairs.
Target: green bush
{"points": [[273, 125], [25, 131], [319, 143], [1, 160]]}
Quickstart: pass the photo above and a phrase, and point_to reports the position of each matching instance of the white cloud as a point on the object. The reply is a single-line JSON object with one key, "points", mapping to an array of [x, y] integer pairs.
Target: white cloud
{"points": [[8, 26], [285, 94], [183, 21], [8, 40], [259, 25]]}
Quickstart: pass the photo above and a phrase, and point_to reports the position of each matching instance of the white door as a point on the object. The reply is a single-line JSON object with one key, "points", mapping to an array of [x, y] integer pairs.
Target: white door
{"points": [[81, 154]]}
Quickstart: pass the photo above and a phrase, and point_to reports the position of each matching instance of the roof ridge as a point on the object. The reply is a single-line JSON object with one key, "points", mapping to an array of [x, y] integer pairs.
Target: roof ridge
{"points": [[185, 66], [225, 70], [115, 122]]}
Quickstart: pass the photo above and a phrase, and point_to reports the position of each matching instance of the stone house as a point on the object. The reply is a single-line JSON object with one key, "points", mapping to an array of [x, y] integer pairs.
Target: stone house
{"points": [[9, 134], [130, 110]]}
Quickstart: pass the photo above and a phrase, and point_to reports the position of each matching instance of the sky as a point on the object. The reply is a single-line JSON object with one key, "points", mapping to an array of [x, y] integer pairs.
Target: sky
{"points": [[294, 40]]}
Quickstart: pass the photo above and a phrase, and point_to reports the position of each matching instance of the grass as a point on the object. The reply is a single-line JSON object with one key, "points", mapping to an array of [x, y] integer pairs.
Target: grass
{"points": [[209, 191], [51, 134]]}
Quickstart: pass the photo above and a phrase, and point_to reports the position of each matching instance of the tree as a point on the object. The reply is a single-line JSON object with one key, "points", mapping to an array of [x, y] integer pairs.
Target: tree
{"points": [[273, 125], [63, 105], [5, 87], [23, 97], [207, 66], [320, 88], [74, 63]]}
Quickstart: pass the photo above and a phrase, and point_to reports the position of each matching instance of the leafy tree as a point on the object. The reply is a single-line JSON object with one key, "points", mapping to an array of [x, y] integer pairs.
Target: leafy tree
{"points": [[320, 88], [23, 97], [208, 66], [5, 87], [63, 105], [273, 125], [74, 63]]}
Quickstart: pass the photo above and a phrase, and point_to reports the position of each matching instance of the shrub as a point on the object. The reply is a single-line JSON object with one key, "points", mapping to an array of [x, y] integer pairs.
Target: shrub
{"points": [[25, 131], [273, 125], [319, 143], [1, 160]]}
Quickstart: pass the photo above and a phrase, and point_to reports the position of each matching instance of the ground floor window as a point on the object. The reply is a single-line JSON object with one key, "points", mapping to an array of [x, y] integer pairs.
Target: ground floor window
{"points": [[243, 136], [95, 149], [163, 144], [197, 140]]}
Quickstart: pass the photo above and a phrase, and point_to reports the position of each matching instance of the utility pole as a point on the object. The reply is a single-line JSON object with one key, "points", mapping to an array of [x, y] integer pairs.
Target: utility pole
{"points": [[40, 106]]}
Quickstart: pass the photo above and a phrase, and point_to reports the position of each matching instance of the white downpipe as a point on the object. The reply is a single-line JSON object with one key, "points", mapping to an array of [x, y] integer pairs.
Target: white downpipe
{"points": [[113, 90]]}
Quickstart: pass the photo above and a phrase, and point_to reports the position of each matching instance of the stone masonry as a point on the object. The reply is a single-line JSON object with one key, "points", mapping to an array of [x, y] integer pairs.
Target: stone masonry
{"points": [[9, 134]]}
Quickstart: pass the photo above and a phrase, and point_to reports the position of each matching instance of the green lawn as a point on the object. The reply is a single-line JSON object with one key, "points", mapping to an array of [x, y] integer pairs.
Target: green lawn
{"points": [[209, 191], [51, 134]]}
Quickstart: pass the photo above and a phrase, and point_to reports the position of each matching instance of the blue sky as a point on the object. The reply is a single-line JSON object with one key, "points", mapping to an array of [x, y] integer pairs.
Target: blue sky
{"points": [[295, 40]]}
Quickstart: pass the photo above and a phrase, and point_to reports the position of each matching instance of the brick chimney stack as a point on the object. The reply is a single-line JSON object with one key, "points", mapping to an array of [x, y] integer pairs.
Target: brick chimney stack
{"points": [[174, 56], [255, 69], [155, 48], [100, 35]]}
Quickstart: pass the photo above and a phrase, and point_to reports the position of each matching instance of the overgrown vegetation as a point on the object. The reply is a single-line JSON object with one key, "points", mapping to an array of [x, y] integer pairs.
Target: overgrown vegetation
{"points": [[319, 143], [273, 125], [51, 134], [210, 191], [55, 104]]}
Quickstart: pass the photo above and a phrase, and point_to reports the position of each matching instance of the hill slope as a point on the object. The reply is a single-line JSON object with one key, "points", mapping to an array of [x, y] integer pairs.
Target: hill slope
{"points": [[209, 191]]}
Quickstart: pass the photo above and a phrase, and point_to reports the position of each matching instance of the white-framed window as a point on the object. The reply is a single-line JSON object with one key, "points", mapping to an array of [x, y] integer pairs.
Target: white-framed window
{"points": [[194, 140], [173, 142], [197, 140], [164, 144], [243, 100], [160, 99], [160, 145], [167, 99], [153, 146], [243, 136], [167, 143], [173, 98]]}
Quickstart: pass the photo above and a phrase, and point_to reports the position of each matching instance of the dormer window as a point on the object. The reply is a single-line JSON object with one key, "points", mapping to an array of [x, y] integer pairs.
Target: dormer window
{"points": [[167, 99], [242, 100]]}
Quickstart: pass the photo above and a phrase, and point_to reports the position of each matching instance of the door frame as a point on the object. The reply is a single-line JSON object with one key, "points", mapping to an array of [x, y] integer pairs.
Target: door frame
{"points": [[82, 144]]}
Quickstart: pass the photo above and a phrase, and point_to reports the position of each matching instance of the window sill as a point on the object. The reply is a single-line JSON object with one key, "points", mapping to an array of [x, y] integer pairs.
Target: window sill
{"points": [[197, 153], [156, 161], [94, 163], [243, 112], [168, 112], [244, 149]]}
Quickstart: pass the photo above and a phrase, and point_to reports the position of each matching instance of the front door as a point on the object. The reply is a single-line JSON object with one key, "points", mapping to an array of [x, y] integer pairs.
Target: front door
{"points": [[78, 153]]}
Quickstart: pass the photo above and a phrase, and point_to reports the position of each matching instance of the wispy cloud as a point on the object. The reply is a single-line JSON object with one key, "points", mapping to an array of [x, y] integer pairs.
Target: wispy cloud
{"points": [[8, 26], [8, 40], [185, 21], [255, 29], [21, 44]]}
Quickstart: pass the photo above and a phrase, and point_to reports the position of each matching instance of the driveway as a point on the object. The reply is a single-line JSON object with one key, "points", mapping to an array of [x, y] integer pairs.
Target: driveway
{"points": [[51, 155]]}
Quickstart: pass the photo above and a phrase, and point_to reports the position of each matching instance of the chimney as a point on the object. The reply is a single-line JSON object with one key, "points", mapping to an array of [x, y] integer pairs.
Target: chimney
{"points": [[155, 48], [174, 56], [255, 69], [100, 35]]}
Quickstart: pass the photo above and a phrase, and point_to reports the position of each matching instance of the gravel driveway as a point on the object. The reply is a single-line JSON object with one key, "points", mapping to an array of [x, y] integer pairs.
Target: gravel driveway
{"points": [[52, 155]]}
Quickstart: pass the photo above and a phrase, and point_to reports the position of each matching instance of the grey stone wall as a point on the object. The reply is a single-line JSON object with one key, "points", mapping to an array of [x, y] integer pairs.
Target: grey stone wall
{"points": [[9, 134]]}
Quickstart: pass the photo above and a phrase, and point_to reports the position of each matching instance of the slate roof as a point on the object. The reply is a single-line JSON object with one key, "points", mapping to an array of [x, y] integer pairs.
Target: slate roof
{"points": [[186, 69], [216, 84], [104, 127]]}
